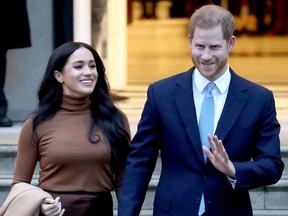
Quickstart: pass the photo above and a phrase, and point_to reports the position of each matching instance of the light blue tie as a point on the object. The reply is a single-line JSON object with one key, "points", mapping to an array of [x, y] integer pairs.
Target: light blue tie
{"points": [[206, 120], [206, 126]]}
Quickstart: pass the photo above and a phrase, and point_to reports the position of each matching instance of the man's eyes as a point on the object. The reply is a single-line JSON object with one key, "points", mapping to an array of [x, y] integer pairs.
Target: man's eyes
{"points": [[210, 47]]}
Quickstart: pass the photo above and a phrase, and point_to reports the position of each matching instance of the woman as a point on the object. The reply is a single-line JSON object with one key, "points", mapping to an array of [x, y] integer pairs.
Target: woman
{"points": [[77, 134]]}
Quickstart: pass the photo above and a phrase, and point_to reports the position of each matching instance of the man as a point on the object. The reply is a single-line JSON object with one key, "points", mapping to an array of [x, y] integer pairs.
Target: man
{"points": [[244, 150], [15, 34]]}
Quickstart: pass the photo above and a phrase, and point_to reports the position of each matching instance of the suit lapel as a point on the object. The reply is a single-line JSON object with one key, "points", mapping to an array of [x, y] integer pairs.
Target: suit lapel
{"points": [[184, 99], [234, 104], [183, 95]]}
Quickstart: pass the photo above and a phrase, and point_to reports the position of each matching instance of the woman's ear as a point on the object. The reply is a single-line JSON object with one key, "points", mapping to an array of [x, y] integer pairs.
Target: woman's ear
{"points": [[58, 76]]}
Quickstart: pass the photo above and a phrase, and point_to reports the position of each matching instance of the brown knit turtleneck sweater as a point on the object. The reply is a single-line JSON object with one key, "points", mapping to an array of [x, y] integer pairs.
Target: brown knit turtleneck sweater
{"points": [[68, 161]]}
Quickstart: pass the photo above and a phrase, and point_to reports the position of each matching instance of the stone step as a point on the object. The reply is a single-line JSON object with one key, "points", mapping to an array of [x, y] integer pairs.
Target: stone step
{"points": [[255, 213], [270, 200]]}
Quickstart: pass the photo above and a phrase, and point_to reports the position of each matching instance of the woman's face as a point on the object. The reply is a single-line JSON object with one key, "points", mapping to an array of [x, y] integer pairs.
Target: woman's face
{"points": [[79, 75]]}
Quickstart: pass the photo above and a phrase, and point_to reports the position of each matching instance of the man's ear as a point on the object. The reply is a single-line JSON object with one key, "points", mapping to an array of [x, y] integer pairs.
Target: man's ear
{"points": [[231, 43], [190, 41], [58, 76]]}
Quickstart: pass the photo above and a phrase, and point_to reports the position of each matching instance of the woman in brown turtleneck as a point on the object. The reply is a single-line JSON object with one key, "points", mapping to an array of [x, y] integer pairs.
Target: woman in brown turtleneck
{"points": [[80, 138]]}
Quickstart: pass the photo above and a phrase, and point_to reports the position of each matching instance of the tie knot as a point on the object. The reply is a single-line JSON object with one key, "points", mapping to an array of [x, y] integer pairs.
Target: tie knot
{"points": [[210, 87]]}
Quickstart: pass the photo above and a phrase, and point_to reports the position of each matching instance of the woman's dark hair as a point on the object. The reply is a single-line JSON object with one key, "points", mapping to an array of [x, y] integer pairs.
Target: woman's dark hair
{"points": [[105, 114]]}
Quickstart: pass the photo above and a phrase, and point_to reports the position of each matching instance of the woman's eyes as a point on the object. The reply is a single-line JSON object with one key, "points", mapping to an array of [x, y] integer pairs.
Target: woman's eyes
{"points": [[78, 67]]}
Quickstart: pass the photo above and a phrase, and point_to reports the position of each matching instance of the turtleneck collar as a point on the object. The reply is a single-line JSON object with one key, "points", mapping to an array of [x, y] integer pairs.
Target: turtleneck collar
{"points": [[73, 104]]}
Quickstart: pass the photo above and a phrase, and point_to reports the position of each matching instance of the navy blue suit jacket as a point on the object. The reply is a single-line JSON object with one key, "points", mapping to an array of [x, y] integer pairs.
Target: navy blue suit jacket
{"points": [[250, 133]]}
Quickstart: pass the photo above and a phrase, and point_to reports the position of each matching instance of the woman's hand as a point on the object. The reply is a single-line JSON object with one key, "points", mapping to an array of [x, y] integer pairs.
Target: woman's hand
{"points": [[51, 207]]}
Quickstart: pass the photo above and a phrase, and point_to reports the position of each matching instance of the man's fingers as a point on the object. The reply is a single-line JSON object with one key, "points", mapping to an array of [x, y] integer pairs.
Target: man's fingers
{"points": [[207, 152], [211, 142]]}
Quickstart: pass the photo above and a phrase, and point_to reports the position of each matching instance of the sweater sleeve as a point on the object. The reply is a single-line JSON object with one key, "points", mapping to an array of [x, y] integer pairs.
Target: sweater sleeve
{"points": [[27, 154]]}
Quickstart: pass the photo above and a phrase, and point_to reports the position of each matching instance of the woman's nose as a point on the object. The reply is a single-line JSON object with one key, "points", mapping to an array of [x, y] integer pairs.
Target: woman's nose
{"points": [[88, 71]]}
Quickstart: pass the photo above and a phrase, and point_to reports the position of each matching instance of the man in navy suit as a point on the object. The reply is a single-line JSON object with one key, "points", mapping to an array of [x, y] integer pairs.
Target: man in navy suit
{"points": [[244, 151]]}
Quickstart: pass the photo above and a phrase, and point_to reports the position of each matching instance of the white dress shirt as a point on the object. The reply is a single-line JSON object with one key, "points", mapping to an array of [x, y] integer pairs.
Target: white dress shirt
{"points": [[219, 93]]}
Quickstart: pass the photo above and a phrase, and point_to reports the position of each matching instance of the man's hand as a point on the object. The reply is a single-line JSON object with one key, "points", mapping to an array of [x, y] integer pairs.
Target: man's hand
{"points": [[218, 157], [51, 207]]}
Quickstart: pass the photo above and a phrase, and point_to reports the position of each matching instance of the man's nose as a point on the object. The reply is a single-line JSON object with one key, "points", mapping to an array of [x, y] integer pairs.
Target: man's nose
{"points": [[206, 54]]}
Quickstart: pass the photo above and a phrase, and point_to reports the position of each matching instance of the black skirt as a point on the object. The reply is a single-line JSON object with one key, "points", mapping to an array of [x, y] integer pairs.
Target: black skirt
{"points": [[86, 204]]}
